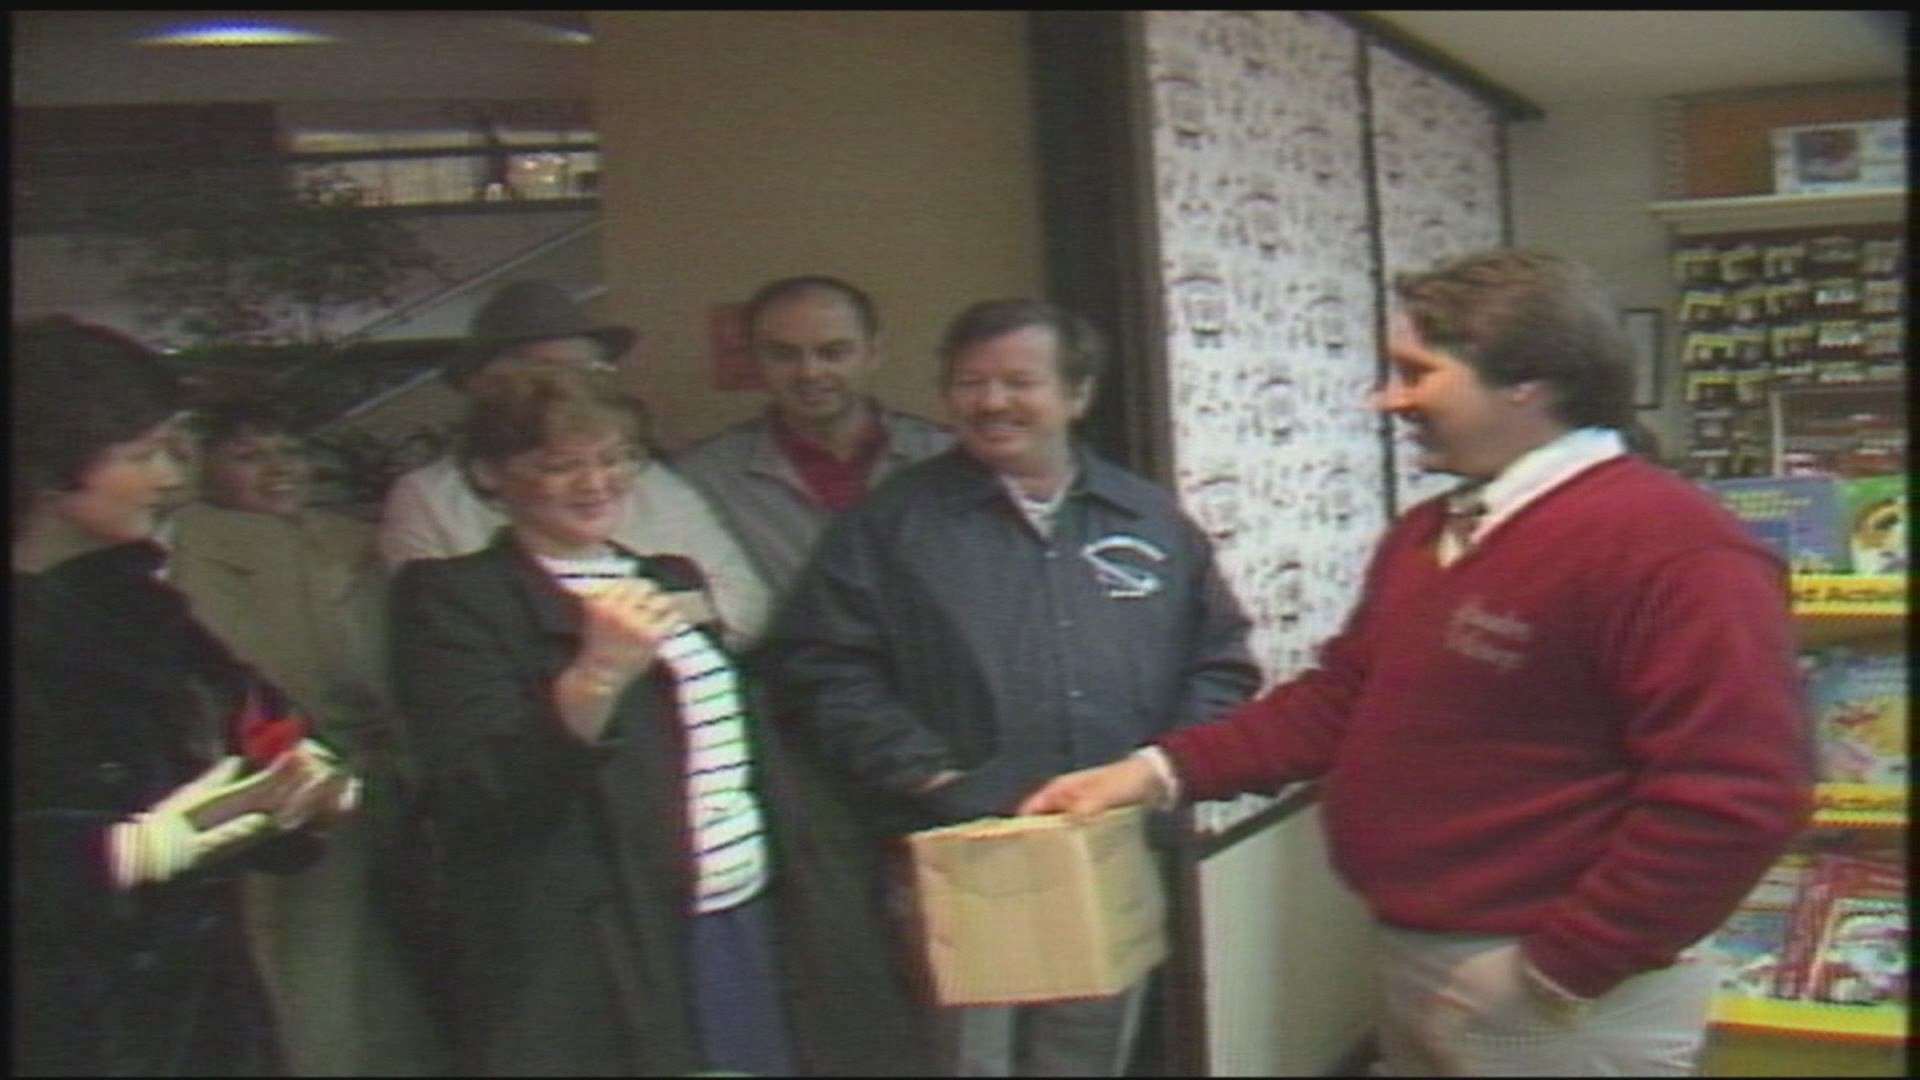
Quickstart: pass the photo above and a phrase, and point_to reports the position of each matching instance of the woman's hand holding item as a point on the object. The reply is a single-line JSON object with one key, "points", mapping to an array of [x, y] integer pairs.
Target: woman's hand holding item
{"points": [[622, 626], [208, 816], [325, 792]]}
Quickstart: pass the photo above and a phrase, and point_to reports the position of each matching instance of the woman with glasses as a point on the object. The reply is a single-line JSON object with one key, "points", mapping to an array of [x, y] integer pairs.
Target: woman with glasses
{"points": [[644, 879]]}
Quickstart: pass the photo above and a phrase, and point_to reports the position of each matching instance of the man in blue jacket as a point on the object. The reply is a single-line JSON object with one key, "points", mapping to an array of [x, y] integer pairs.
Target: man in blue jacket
{"points": [[1008, 609]]}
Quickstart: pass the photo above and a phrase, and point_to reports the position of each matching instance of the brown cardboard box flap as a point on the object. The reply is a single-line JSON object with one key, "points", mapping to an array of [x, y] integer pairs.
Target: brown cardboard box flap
{"points": [[1042, 908]]}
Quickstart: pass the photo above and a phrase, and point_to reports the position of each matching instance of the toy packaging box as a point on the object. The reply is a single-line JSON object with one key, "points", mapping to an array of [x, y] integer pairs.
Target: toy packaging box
{"points": [[1876, 508], [1859, 155], [1845, 944], [1800, 517], [1750, 946], [1859, 705]]}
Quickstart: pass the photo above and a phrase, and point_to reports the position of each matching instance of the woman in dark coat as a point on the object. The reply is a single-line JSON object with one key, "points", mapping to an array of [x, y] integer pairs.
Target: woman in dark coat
{"points": [[644, 879], [130, 727]]}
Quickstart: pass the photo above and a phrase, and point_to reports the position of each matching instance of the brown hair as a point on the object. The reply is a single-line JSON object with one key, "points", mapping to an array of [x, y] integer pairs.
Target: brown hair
{"points": [[1079, 352], [516, 410], [1516, 316]]}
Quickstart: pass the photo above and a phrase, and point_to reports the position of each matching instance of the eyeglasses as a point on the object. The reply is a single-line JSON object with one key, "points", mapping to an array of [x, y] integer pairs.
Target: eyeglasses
{"points": [[567, 469]]}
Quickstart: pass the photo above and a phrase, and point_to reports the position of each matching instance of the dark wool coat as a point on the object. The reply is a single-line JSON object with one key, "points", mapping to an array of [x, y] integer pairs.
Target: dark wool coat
{"points": [[118, 698], [568, 864]]}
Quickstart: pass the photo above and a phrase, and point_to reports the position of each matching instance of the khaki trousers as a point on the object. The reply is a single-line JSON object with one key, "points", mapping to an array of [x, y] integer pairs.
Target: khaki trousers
{"points": [[1652, 1024]]}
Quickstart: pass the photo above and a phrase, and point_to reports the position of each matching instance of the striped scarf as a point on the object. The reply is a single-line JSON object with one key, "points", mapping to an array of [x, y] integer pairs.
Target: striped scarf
{"points": [[724, 816]]}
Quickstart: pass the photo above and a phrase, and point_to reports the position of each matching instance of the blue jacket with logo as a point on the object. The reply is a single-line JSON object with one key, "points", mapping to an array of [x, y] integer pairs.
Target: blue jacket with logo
{"points": [[936, 629]]}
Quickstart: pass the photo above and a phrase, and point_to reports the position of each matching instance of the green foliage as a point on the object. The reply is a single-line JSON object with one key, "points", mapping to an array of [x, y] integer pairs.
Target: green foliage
{"points": [[255, 264]]}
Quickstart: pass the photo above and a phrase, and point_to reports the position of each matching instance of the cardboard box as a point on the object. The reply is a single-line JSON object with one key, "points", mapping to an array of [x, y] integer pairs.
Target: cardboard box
{"points": [[1863, 155], [1030, 909]]}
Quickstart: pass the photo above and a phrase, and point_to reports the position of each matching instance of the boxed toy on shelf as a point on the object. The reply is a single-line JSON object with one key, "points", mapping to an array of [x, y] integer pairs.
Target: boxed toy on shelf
{"points": [[1825, 524], [1823, 935], [1877, 523], [1827, 928], [1752, 944], [1859, 705], [1800, 517]]}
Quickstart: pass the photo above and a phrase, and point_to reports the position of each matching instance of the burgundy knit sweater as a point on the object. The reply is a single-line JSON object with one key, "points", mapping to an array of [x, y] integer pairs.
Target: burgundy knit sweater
{"points": [[1587, 731]]}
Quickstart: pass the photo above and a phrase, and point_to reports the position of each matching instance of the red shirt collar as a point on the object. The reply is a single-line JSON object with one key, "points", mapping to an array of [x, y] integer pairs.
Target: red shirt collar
{"points": [[833, 483]]}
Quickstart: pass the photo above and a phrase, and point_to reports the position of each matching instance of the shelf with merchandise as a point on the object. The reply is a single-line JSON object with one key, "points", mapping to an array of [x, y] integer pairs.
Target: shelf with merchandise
{"points": [[1828, 608], [1830, 1003], [1860, 806], [1747, 213], [1870, 1023]]}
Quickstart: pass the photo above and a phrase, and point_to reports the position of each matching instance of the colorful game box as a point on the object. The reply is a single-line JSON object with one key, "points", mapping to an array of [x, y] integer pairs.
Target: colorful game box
{"points": [[1750, 946], [1876, 508], [1859, 705], [1800, 517]]}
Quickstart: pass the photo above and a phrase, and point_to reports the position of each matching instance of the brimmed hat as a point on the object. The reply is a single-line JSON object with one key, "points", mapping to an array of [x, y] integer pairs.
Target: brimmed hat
{"points": [[529, 311]]}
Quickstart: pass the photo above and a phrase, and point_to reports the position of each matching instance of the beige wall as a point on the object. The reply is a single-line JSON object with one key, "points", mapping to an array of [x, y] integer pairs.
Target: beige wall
{"points": [[891, 148], [1582, 179], [1289, 977]]}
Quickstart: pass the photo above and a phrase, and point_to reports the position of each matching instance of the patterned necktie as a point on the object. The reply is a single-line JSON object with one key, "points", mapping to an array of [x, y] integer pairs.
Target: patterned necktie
{"points": [[1464, 513]]}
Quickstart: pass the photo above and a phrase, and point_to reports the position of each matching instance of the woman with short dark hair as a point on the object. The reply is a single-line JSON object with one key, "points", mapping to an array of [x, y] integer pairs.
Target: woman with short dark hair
{"points": [[150, 767]]}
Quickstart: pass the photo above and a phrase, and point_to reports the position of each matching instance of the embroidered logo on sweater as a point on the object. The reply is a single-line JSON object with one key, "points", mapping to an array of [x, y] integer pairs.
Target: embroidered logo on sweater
{"points": [[1479, 634], [1124, 580]]}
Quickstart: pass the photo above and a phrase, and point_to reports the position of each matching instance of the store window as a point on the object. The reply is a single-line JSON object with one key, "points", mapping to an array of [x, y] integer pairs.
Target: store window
{"points": [[444, 153], [84, 168]]}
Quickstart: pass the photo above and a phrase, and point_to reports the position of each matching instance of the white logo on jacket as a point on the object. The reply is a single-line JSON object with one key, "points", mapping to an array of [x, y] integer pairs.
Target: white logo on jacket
{"points": [[1479, 634], [1124, 580]]}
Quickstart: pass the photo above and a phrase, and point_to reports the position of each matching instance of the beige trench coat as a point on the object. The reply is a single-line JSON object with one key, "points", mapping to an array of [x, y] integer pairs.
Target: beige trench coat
{"points": [[303, 601]]}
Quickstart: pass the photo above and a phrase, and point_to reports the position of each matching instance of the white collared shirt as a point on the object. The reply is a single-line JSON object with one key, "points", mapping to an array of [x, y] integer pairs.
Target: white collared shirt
{"points": [[1532, 475]]}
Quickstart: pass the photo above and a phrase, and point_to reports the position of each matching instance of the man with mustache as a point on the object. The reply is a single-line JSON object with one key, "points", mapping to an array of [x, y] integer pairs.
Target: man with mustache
{"points": [[1009, 609]]}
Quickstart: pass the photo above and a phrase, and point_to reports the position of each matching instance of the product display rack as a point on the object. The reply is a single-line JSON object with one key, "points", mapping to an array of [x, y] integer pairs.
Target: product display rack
{"points": [[1772, 1037], [1783, 301], [1790, 335]]}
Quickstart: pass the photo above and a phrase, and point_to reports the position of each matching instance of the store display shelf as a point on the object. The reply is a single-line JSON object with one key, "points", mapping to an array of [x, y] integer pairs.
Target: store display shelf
{"points": [[1697, 217], [1849, 595], [1860, 806], [1866, 1023], [1840, 607]]}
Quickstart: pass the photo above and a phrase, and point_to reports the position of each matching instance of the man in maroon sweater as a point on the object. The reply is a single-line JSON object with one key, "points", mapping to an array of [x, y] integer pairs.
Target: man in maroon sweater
{"points": [[1560, 736]]}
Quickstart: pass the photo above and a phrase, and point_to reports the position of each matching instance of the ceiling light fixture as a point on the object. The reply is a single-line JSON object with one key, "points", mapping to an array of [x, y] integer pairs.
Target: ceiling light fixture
{"points": [[237, 33]]}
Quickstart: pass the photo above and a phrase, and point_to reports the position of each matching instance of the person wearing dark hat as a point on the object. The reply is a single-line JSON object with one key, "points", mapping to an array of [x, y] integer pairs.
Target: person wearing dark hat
{"points": [[537, 322], [434, 512]]}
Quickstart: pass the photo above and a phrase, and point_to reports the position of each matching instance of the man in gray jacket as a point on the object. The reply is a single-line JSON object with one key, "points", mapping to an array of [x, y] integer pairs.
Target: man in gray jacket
{"points": [[1012, 607], [822, 443]]}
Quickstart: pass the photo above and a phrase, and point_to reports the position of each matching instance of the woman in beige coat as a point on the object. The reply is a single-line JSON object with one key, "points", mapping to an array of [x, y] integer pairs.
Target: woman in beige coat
{"points": [[299, 593]]}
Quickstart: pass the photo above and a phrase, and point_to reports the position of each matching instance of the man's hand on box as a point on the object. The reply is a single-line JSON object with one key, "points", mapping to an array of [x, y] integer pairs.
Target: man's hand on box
{"points": [[1090, 791]]}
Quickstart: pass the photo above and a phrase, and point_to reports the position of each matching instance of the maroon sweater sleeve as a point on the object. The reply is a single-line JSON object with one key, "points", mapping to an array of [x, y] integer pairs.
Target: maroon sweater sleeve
{"points": [[1701, 654], [1291, 732]]}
